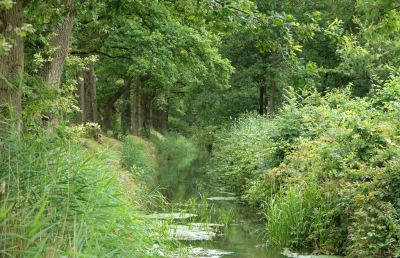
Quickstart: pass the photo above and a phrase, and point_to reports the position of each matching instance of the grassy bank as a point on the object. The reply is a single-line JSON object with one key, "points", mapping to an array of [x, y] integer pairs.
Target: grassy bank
{"points": [[325, 171], [66, 198]]}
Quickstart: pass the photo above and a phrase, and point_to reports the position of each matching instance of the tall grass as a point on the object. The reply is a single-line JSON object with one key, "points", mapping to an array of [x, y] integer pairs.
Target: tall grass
{"points": [[135, 157], [175, 147], [58, 201], [296, 216]]}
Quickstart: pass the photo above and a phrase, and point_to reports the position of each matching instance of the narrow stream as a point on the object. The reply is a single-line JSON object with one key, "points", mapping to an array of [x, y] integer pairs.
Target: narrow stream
{"points": [[202, 209]]}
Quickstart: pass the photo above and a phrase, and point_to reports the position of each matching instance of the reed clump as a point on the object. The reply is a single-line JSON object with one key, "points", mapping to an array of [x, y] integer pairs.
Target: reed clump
{"points": [[57, 200]]}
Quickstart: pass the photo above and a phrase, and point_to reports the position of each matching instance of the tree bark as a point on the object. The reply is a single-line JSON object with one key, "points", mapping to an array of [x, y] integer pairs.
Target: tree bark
{"points": [[126, 113], [145, 102], [272, 99], [156, 114], [80, 92], [106, 115], [135, 113], [164, 118], [154, 110], [89, 82], [11, 64], [273, 82], [262, 106], [266, 101], [51, 71]]}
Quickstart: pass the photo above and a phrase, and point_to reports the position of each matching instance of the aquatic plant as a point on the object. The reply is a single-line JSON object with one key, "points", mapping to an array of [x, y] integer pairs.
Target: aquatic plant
{"points": [[295, 215], [227, 216]]}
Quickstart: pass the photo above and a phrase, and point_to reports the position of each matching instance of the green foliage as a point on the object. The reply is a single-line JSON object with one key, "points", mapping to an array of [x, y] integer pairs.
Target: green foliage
{"points": [[301, 213], [133, 157], [6, 4], [175, 147], [58, 201], [178, 125], [347, 146]]}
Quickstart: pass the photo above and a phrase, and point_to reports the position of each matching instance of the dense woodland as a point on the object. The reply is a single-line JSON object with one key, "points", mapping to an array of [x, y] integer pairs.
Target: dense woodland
{"points": [[298, 101]]}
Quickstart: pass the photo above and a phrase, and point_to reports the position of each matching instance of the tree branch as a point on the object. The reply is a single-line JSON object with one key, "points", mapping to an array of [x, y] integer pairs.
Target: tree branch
{"points": [[100, 53], [93, 36]]}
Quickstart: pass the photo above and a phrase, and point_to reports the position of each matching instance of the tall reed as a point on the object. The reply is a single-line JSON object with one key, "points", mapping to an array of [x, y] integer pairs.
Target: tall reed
{"points": [[295, 216], [176, 147], [58, 201]]}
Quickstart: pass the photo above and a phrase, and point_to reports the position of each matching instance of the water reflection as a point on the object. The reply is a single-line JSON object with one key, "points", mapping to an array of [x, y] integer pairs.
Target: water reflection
{"points": [[187, 189]]}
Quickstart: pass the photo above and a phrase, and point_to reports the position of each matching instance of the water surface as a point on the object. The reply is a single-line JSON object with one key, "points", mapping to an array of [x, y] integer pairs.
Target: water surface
{"points": [[190, 192]]}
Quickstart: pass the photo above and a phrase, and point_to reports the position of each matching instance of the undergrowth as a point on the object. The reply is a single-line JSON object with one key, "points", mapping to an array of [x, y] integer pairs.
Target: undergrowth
{"points": [[56, 200], [175, 147], [325, 171]]}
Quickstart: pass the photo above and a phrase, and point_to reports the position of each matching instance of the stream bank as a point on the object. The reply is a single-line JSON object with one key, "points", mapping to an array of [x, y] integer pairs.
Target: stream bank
{"points": [[208, 219]]}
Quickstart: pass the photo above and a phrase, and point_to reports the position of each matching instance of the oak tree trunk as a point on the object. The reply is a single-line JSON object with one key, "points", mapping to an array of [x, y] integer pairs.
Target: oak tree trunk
{"points": [[273, 82], [106, 115], [272, 99], [11, 63], [265, 101], [145, 103], [156, 114], [154, 110], [51, 71], [262, 106], [89, 82], [126, 113], [164, 118], [135, 113]]}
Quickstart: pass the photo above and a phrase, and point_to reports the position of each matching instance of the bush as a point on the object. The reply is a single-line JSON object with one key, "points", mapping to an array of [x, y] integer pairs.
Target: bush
{"points": [[347, 146]]}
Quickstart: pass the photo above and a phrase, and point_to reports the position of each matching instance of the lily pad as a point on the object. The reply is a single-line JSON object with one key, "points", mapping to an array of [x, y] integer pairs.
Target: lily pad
{"points": [[203, 253], [288, 253], [183, 232], [222, 198], [175, 215]]}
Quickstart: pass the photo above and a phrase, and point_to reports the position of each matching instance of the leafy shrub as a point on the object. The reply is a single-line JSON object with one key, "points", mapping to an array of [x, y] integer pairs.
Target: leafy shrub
{"points": [[347, 146], [178, 125]]}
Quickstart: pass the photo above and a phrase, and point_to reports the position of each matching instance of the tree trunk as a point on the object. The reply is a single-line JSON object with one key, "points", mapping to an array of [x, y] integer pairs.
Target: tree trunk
{"points": [[135, 113], [12, 63], [80, 92], [266, 101], [272, 99], [154, 110], [156, 114], [89, 82], [145, 103], [273, 82], [126, 113], [164, 118], [262, 106], [141, 114], [106, 115], [51, 71]]}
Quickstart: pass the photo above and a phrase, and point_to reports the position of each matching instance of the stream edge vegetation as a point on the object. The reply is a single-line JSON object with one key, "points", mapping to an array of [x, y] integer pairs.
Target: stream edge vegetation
{"points": [[324, 172]]}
